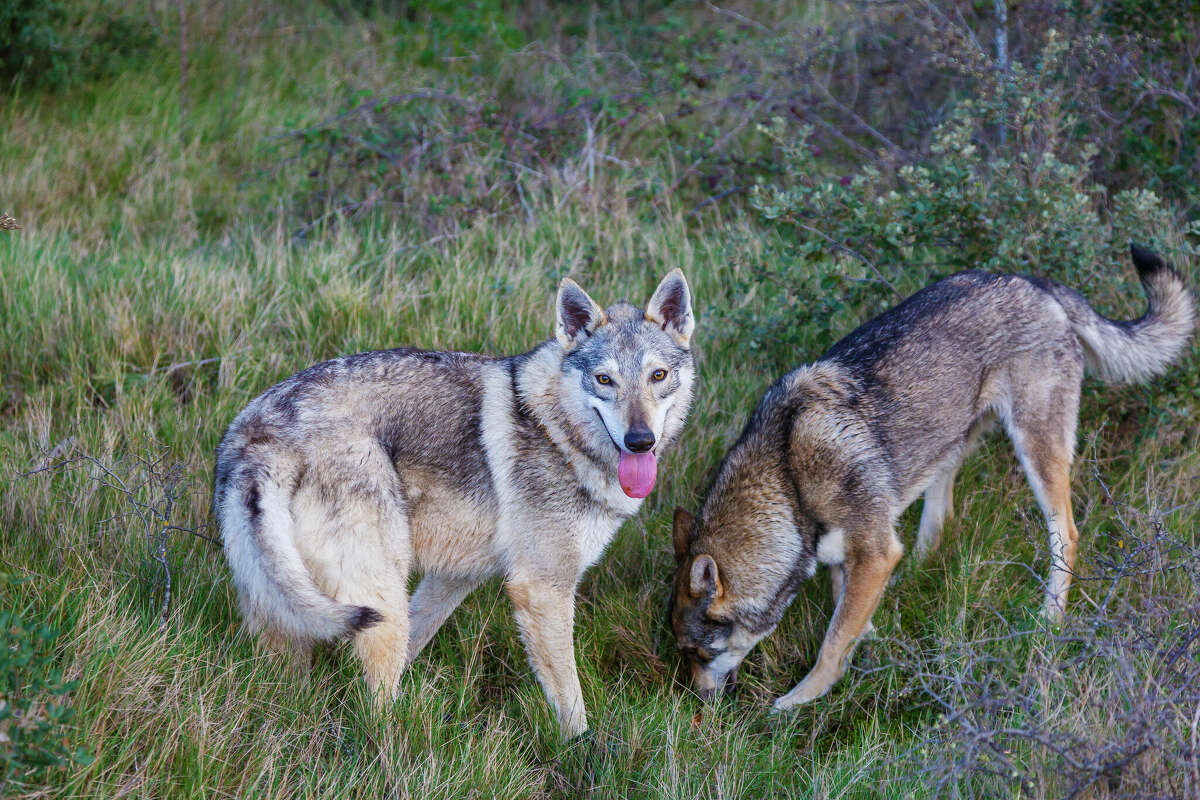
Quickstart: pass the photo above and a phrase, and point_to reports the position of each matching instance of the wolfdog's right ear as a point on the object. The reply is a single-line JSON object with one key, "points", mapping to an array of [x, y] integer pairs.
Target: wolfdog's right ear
{"points": [[681, 532], [576, 315]]}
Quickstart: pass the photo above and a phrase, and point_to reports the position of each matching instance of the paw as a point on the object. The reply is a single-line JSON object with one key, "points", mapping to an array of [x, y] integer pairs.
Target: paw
{"points": [[574, 727], [799, 696], [783, 705], [1052, 611]]}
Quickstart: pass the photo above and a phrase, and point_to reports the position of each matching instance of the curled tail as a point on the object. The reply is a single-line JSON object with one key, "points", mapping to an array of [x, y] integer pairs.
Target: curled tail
{"points": [[1132, 351], [275, 588]]}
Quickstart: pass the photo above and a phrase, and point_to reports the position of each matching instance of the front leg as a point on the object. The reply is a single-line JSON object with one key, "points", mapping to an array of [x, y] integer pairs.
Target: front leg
{"points": [[837, 580], [545, 612], [865, 577]]}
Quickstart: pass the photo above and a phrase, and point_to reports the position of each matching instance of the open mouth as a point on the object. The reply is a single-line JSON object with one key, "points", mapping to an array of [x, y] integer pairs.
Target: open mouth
{"points": [[636, 472]]}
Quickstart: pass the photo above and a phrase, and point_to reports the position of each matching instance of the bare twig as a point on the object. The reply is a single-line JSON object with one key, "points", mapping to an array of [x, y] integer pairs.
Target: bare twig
{"points": [[720, 143], [151, 494], [178, 365], [716, 198], [1107, 697], [742, 18], [851, 251]]}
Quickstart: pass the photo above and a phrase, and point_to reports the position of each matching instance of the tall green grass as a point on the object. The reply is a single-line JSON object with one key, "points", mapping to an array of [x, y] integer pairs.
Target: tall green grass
{"points": [[157, 286]]}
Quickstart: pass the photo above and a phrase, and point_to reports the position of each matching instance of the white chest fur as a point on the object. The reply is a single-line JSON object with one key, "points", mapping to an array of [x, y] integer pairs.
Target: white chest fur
{"points": [[580, 534], [831, 548]]}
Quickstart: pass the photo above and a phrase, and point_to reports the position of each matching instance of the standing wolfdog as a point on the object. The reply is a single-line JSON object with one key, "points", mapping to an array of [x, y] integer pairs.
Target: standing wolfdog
{"points": [[836, 450], [331, 486]]}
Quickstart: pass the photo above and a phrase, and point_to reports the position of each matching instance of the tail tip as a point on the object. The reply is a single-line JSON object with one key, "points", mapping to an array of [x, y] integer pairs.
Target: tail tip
{"points": [[364, 617], [1146, 260]]}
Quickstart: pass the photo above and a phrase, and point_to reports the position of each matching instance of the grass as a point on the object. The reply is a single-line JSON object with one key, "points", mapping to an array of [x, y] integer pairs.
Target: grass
{"points": [[157, 286]]}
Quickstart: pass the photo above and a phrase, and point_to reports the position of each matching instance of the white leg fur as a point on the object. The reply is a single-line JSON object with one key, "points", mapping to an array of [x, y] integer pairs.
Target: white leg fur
{"points": [[431, 605], [1051, 484], [545, 613], [938, 507], [359, 553]]}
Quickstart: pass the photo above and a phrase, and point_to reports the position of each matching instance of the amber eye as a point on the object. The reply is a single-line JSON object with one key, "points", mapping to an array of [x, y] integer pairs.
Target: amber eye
{"points": [[603, 380], [658, 375]]}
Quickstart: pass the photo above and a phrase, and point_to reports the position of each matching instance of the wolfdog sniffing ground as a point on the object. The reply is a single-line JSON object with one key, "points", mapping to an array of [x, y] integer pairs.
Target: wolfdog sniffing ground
{"points": [[332, 485], [836, 450]]}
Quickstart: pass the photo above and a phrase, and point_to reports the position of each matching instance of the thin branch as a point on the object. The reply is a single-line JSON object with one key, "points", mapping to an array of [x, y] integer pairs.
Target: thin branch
{"points": [[721, 142], [178, 365], [714, 199], [742, 18]]}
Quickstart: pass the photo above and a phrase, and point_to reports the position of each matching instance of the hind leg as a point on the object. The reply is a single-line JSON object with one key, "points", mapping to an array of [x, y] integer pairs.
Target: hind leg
{"points": [[1042, 428], [432, 604], [1064, 545], [380, 583], [938, 507], [357, 548], [381, 649], [1050, 477]]}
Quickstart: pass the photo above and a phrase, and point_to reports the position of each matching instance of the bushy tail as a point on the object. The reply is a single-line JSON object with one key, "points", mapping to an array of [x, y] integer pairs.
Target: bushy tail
{"points": [[275, 588], [1132, 351]]}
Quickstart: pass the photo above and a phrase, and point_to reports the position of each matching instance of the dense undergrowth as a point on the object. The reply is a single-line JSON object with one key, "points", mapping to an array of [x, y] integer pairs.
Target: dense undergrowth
{"points": [[210, 203]]}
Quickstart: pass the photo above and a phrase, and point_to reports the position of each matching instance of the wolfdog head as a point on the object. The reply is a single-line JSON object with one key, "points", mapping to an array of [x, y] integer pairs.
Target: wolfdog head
{"points": [[715, 624], [627, 375]]}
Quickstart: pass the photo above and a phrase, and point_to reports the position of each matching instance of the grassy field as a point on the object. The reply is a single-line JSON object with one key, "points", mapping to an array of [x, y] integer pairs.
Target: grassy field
{"points": [[183, 248]]}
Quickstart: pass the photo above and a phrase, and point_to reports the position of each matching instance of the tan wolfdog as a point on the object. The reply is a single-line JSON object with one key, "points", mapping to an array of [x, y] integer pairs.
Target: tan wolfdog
{"points": [[836, 450]]}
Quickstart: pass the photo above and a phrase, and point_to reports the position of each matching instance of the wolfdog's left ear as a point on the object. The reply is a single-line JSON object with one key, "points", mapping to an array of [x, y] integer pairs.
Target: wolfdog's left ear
{"points": [[671, 307]]}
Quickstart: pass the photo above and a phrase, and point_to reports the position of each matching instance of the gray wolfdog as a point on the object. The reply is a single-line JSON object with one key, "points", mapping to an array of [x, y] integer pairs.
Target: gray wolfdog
{"points": [[836, 450], [331, 486]]}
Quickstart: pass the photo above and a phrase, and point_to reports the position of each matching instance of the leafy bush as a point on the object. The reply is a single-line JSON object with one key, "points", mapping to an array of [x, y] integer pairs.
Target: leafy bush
{"points": [[1006, 185], [43, 44], [1157, 135], [31, 42], [33, 711], [886, 75]]}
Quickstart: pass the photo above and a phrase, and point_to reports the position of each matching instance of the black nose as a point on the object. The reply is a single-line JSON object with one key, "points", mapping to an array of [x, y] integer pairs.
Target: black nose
{"points": [[639, 440]]}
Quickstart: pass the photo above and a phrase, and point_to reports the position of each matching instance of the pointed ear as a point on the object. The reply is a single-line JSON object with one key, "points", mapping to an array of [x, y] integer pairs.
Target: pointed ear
{"points": [[577, 315], [671, 307], [681, 532], [705, 578]]}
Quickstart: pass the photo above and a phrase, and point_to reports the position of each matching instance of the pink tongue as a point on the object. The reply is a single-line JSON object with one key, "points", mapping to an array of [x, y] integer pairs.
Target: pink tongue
{"points": [[637, 472]]}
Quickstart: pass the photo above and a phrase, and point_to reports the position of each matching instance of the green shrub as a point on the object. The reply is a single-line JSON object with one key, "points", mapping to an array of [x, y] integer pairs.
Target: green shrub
{"points": [[33, 709], [1006, 186], [32, 45], [43, 43]]}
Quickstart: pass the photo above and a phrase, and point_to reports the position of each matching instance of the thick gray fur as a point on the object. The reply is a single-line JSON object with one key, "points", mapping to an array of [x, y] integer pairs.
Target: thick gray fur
{"points": [[331, 486]]}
